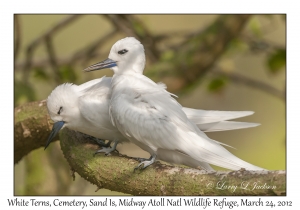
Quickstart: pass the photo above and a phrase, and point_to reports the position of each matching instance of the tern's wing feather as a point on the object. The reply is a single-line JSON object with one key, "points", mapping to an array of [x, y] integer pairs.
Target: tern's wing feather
{"points": [[199, 116], [211, 121], [94, 101], [181, 159], [148, 114], [225, 126], [94, 109], [145, 115], [91, 83]]}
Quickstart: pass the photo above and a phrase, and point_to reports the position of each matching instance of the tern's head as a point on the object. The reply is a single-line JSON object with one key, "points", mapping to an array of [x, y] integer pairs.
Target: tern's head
{"points": [[126, 55], [62, 108]]}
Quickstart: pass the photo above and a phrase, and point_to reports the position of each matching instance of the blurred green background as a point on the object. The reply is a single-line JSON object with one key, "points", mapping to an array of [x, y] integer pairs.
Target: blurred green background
{"points": [[249, 74]]}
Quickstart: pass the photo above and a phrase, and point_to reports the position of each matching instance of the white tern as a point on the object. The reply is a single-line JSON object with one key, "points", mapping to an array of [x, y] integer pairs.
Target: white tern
{"points": [[146, 114], [85, 108]]}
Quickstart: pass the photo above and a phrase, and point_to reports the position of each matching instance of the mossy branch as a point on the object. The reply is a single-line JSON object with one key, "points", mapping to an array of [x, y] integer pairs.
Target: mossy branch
{"points": [[116, 173], [32, 128]]}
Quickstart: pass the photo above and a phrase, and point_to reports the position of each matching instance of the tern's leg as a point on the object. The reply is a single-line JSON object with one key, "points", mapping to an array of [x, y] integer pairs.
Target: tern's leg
{"points": [[107, 150], [100, 142], [142, 159], [146, 162]]}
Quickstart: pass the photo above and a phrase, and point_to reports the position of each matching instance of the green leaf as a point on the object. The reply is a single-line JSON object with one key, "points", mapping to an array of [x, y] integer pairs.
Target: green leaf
{"points": [[168, 55], [67, 73], [277, 60], [139, 28], [255, 27], [40, 73], [237, 44], [23, 92], [217, 84]]}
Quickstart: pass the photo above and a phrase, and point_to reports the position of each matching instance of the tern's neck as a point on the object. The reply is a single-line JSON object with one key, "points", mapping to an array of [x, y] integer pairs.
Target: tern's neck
{"points": [[120, 82], [128, 71], [130, 68]]}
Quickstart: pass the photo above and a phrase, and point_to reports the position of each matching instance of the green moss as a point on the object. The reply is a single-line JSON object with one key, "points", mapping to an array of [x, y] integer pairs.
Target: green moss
{"points": [[29, 110]]}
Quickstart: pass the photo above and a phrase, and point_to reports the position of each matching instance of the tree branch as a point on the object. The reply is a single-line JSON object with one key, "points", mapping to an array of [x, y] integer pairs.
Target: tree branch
{"points": [[195, 57], [116, 173], [89, 52], [240, 79], [85, 54], [52, 59], [17, 39], [32, 128], [31, 47]]}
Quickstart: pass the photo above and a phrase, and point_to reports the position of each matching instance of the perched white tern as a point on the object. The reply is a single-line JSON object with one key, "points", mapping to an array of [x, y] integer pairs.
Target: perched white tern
{"points": [[85, 108], [148, 116]]}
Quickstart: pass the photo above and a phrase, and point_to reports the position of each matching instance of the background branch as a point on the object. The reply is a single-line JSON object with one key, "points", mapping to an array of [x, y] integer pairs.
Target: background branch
{"points": [[52, 59], [32, 46], [17, 37], [240, 79], [89, 52], [199, 53], [85, 54]]}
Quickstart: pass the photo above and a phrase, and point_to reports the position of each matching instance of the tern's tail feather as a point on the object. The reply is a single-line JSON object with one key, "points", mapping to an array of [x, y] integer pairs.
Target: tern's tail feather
{"points": [[225, 126], [209, 151]]}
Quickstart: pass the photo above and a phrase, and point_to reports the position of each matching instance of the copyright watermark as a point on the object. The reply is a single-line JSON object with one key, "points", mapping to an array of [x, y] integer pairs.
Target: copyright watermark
{"points": [[224, 185]]}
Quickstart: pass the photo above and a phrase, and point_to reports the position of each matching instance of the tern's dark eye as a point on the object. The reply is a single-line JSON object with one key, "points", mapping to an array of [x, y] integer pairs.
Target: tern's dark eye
{"points": [[121, 52], [60, 110]]}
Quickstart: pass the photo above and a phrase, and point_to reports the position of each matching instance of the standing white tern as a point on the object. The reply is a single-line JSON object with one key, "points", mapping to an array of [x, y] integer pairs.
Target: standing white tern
{"points": [[147, 115]]}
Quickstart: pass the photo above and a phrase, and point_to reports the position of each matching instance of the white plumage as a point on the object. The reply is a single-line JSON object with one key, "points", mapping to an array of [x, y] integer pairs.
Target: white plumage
{"points": [[85, 109], [151, 118]]}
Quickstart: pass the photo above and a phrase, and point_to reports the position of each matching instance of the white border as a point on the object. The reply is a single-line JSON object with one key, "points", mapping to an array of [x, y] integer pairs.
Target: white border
{"points": [[8, 8]]}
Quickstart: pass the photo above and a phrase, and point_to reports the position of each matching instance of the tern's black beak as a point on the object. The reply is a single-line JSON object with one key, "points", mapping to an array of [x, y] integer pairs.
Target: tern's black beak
{"points": [[106, 64], [56, 127]]}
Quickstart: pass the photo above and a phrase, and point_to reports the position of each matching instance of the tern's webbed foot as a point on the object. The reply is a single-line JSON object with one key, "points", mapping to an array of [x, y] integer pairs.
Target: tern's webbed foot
{"points": [[107, 150], [145, 162]]}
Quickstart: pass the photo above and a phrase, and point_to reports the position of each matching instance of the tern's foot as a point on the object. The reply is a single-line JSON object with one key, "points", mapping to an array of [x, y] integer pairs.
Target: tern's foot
{"points": [[107, 150], [145, 162], [142, 159]]}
